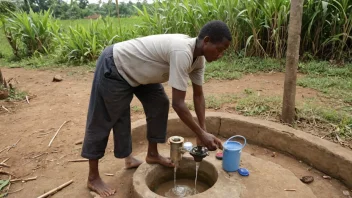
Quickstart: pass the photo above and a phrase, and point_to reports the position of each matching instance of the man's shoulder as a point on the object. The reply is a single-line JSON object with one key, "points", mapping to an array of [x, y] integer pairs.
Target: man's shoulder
{"points": [[168, 36], [162, 39]]}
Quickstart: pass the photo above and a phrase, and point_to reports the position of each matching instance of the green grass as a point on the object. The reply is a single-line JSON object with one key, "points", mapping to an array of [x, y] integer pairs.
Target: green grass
{"points": [[307, 111], [324, 68], [137, 109], [333, 81], [230, 68], [14, 94], [334, 87], [252, 105], [340, 119], [248, 91], [222, 70], [215, 101]]}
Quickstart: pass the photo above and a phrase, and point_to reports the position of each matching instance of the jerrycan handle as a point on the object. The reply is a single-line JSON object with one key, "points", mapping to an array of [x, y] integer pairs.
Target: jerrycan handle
{"points": [[240, 136]]}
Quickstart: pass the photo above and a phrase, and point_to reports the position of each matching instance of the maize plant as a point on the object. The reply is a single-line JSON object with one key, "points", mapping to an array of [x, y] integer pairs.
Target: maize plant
{"points": [[30, 33], [259, 27], [84, 44]]}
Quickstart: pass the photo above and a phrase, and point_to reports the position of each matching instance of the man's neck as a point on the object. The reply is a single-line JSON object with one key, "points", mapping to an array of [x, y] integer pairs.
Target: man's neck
{"points": [[197, 50]]}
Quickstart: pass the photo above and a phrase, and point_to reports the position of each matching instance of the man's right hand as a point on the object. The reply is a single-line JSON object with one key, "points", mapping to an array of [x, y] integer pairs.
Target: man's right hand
{"points": [[210, 141]]}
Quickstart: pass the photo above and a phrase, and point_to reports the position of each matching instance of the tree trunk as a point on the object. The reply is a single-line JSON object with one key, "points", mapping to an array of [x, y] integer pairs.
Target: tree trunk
{"points": [[1, 78], [292, 57], [4, 93]]}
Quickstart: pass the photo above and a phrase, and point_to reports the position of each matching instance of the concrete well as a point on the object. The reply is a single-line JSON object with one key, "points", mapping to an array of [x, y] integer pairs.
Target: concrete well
{"points": [[148, 178], [325, 156]]}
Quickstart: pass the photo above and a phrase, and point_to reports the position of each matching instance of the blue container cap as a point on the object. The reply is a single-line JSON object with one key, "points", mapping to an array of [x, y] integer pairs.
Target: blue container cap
{"points": [[243, 171], [231, 145]]}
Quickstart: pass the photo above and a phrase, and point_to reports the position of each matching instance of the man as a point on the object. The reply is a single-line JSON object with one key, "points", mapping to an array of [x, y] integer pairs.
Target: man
{"points": [[138, 66]]}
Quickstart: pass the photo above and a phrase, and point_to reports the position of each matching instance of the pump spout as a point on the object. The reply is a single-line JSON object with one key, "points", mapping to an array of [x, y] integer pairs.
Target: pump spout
{"points": [[199, 152], [176, 149]]}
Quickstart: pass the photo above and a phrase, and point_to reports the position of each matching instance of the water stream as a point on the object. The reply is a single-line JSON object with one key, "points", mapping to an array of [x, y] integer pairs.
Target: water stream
{"points": [[184, 189], [195, 181], [175, 170]]}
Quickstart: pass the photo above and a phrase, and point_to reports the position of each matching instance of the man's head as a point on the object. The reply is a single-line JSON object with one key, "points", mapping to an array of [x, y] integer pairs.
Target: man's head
{"points": [[215, 38]]}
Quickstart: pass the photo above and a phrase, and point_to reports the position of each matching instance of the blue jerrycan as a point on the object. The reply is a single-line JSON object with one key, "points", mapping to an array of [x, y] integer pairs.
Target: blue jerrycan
{"points": [[232, 154]]}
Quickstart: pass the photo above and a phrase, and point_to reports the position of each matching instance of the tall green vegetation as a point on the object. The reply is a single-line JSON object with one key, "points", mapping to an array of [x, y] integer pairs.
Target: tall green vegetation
{"points": [[30, 33], [260, 27], [6, 7], [81, 8], [328, 28], [83, 44], [38, 33]]}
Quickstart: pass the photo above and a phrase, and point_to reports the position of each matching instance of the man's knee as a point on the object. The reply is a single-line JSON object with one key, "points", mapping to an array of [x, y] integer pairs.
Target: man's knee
{"points": [[164, 101]]}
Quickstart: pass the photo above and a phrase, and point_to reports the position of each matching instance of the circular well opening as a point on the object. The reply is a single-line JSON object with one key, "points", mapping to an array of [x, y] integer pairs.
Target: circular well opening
{"points": [[176, 139], [161, 180]]}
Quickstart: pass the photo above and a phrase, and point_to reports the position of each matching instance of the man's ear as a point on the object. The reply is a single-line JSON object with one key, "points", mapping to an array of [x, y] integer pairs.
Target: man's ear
{"points": [[206, 39]]}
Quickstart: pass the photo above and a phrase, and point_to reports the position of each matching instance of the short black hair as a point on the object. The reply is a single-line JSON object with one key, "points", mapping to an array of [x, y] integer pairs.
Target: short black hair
{"points": [[216, 30]]}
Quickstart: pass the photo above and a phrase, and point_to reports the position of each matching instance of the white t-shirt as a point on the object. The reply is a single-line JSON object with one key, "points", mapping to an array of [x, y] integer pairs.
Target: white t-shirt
{"points": [[158, 59]]}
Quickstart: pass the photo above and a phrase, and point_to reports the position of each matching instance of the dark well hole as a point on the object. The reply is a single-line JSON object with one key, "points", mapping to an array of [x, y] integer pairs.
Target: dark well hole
{"points": [[186, 173], [176, 139]]}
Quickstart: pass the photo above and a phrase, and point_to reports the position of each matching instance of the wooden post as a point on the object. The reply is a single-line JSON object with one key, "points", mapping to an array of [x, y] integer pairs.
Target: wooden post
{"points": [[292, 58]]}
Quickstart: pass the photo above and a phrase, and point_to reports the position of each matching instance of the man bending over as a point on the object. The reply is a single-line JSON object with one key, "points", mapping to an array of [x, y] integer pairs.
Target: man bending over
{"points": [[137, 67]]}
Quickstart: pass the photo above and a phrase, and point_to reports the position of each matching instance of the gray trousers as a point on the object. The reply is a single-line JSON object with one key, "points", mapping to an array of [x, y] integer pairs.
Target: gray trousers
{"points": [[109, 108]]}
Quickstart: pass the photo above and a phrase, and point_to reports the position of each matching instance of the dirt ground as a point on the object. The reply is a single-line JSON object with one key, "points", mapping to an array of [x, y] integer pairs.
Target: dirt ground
{"points": [[52, 103]]}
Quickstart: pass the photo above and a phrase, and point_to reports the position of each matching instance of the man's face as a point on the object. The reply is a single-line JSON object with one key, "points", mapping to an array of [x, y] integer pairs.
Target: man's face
{"points": [[214, 51]]}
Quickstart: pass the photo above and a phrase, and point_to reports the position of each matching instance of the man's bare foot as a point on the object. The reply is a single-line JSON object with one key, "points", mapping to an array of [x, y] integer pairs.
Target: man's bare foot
{"points": [[158, 159], [131, 162], [97, 185]]}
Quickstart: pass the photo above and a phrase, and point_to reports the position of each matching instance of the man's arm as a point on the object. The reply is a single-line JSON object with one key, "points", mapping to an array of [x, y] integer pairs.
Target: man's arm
{"points": [[199, 104], [179, 105], [179, 66]]}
